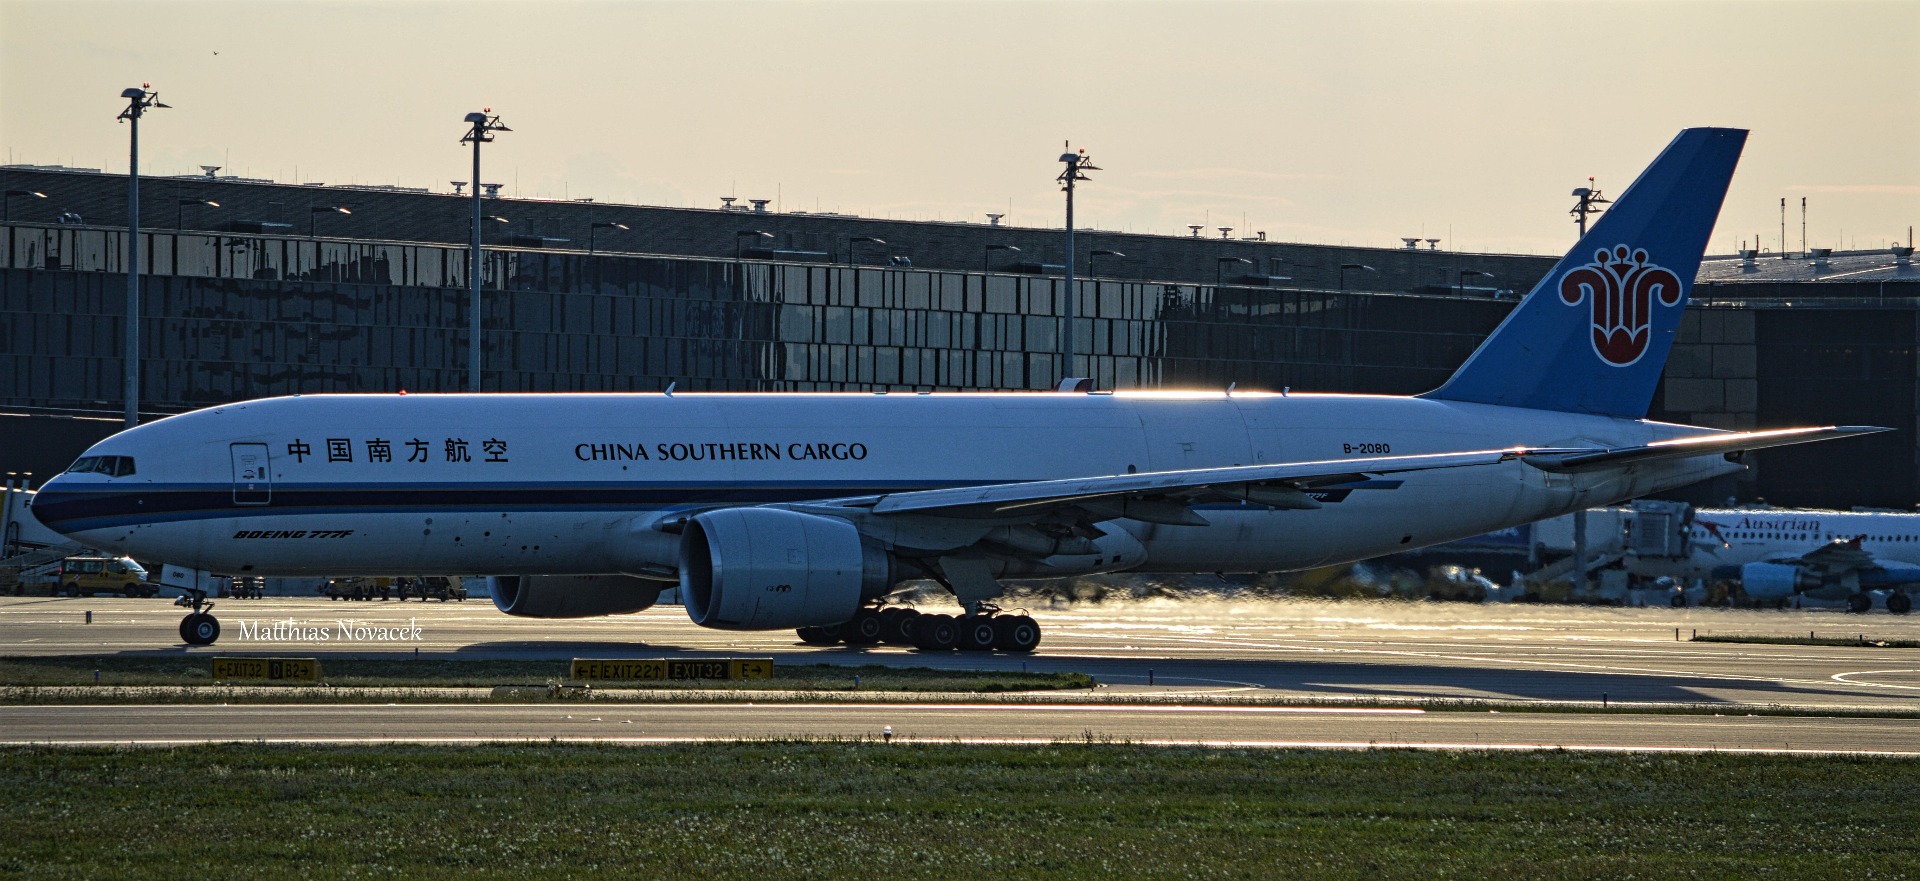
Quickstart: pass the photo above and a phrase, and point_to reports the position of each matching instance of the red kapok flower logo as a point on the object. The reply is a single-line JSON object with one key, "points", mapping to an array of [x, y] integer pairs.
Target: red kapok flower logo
{"points": [[1622, 285]]}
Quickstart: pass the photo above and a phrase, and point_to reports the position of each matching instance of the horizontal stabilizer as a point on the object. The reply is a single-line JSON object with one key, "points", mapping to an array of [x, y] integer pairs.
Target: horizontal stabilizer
{"points": [[1688, 447]]}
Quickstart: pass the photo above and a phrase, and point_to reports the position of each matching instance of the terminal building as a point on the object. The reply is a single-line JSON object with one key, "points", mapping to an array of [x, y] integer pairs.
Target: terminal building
{"points": [[255, 288]]}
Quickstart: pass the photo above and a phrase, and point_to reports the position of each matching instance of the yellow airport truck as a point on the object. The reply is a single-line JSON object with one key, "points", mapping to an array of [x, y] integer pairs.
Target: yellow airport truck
{"points": [[86, 576]]}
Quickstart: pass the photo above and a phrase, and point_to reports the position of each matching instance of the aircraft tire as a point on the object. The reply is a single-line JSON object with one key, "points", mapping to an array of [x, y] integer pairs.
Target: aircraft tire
{"points": [[199, 628], [936, 633], [896, 625], [1679, 601], [815, 636], [1017, 633], [976, 633], [864, 629], [1899, 604], [1859, 603]]}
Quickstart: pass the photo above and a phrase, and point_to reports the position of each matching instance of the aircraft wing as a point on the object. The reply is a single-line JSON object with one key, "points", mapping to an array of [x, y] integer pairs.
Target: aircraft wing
{"points": [[1166, 496], [1687, 447], [1155, 496]]}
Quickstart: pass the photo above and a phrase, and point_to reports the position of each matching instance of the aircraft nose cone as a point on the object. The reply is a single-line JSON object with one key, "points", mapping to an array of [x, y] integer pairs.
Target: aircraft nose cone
{"points": [[55, 504]]}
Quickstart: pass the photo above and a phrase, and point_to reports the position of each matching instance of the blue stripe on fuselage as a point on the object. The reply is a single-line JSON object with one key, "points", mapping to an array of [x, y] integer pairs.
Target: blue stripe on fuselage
{"points": [[76, 510]]}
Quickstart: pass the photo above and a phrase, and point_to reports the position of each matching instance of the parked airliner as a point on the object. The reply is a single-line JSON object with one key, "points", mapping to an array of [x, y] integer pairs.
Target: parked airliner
{"points": [[1782, 554], [773, 511]]}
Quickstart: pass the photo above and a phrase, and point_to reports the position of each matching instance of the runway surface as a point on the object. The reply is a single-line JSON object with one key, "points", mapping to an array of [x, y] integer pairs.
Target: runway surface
{"points": [[164, 725], [1319, 650]]}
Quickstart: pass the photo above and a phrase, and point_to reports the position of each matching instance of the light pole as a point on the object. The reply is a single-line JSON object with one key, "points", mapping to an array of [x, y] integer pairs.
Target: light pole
{"points": [[138, 101], [986, 255], [480, 131], [1346, 266], [180, 210], [1220, 265], [1467, 273], [1590, 200], [855, 240], [313, 216], [746, 233], [13, 193], [1099, 252], [596, 227], [1077, 164]]}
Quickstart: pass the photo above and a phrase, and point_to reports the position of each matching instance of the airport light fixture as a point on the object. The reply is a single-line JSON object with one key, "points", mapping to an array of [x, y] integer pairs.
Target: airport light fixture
{"points": [[1346, 266], [180, 210], [1590, 200], [1097, 253], [139, 101], [856, 240], [1077, 166], [596, 227], [13, 193], [313, 216], [1469, 273], [1220, 265], [495, 218], [481, 127], [745, 234], [986, 255]]}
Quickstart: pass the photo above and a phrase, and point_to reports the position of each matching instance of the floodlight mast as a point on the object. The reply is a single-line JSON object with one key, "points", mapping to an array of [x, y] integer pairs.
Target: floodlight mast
{"points": [[1590, 202], [1077, 164], [138, 101], [483, 127]]}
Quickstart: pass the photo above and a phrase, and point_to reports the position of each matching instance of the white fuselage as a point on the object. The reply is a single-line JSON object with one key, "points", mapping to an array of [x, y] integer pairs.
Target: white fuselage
{"points": [[1719, 539], [558, 484]]}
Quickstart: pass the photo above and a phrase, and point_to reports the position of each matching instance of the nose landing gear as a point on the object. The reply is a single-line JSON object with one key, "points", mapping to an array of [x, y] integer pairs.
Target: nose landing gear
{"points": [[200, 627]]}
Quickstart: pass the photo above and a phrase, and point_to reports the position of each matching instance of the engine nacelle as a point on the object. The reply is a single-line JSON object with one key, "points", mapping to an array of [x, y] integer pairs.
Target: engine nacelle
{"points": [[572, 596], [772, 569], [1769, 581]]}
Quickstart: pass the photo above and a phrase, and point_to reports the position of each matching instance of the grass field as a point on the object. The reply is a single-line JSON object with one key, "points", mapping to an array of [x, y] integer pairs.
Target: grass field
{"points": [[1852, 639], [767, 811]]}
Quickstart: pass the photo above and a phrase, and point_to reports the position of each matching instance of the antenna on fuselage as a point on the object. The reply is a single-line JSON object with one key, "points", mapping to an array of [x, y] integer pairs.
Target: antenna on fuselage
{"points": [[669, 391]]}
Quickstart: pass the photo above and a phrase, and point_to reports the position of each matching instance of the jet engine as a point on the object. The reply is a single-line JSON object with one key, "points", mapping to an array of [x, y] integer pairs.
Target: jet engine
{"points": [[572, 596], [1769, 581], [772, 569]]}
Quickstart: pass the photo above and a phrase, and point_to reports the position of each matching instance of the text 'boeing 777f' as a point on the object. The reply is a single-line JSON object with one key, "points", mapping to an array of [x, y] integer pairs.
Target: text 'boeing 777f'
{"points": [[774, 511]]}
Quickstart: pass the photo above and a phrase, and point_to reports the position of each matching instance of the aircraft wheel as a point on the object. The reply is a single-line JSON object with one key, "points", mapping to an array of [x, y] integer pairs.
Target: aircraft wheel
{"points": [[864, 629], [1899, 604], [816, 636], [199, 628], [896, 625], [936, 633], [1679, 601], [1859, 603], [1017, 633], [976, 633]]}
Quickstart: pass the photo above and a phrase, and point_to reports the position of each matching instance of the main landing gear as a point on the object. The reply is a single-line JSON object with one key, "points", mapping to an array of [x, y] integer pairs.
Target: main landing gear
{"points": [[988, 630], [199, 627], [1897, 602]]}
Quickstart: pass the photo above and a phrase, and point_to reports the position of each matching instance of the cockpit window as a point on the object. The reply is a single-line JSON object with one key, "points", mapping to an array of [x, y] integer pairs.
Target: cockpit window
{"points": [[112, 466]]}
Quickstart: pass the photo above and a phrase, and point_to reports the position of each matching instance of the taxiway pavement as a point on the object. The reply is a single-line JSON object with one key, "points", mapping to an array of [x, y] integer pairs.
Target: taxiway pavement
{"points": [[1304, 649]]}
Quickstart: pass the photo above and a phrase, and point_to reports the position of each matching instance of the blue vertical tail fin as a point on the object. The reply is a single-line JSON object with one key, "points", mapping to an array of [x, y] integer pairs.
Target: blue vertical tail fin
{"points": [[1593, 335]]}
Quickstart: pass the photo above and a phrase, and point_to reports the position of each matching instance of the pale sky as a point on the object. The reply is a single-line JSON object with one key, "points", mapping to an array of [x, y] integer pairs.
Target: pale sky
{"points": [[1331, 122]]}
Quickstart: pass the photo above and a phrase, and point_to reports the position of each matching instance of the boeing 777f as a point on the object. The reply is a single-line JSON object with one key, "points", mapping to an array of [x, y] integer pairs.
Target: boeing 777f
{"points": [[773, 511]]}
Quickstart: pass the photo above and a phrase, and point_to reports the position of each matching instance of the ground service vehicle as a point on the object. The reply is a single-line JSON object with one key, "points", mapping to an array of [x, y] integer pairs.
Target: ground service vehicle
{"points": [[357, 588], [86, 576]]}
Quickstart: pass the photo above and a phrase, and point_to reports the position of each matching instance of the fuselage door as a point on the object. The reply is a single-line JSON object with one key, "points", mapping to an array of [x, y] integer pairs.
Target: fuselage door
{"points": [[251, 483]]}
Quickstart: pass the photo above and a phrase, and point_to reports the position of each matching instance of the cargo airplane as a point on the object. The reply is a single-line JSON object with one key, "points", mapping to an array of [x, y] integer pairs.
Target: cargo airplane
{"points": [[806, 511]]}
